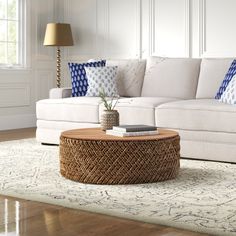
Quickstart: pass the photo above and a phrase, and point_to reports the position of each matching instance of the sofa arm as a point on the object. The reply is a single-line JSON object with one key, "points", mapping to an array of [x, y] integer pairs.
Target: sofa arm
{"points": [[56, 93]]}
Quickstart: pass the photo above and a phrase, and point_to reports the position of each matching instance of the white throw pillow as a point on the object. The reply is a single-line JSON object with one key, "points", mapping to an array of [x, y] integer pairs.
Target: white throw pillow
{"points": [[229, 95], [130, 76], [102, 79]]}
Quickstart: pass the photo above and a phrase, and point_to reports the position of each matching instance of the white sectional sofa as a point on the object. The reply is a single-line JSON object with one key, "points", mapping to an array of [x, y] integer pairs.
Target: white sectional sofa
{"points": [[171, 93]]}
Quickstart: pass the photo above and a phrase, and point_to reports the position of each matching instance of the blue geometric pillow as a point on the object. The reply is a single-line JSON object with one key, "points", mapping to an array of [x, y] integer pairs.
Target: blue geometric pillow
{"points": [[229, 95], [78, 76], [102, 79], [228, 77]]}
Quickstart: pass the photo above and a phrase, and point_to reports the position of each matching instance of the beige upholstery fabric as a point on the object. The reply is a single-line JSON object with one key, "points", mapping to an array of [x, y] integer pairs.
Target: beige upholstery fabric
{"points": [[171, 77], [130, 76], [74, 109], [64, 125], [211, 75], [208, 136], [56, 93], [50, 131], [200, 114], [138, 110], [208, 150], [218, 146], [48, 136]]}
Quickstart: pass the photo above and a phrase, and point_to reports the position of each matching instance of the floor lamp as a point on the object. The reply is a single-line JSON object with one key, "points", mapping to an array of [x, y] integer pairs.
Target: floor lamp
{"points": [[58, 35]]}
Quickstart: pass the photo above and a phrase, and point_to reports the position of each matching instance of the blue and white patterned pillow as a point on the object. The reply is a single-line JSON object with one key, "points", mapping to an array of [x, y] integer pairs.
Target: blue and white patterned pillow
{"points": [[102, 79], [228, 77], [229, 95], [78, 76]]}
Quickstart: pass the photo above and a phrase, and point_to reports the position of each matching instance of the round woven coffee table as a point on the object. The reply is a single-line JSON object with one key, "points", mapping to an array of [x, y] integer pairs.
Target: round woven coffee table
{"points": [[91, 156]]}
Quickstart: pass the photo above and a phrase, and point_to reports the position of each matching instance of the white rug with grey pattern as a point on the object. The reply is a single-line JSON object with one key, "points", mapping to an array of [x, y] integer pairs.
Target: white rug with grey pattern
{"points": [[202, 198]]}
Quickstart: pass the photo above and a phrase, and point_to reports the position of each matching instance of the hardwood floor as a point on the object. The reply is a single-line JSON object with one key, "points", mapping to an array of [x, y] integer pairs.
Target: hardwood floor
{"points": [[27, 218], [7, 135]]}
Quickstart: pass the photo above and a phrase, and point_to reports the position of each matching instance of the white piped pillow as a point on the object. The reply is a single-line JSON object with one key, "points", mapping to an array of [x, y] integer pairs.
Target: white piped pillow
{"points": [[102, 79], [229, 95], [130, 76]]}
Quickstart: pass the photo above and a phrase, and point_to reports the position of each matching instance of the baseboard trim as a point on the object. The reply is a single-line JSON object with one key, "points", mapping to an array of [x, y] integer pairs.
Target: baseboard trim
{"points": [[17, 121]]}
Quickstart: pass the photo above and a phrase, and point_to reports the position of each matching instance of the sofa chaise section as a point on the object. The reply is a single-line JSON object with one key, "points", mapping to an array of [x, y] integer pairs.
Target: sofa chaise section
{"points": [[73, 109], [206, 126], [57, 115]]}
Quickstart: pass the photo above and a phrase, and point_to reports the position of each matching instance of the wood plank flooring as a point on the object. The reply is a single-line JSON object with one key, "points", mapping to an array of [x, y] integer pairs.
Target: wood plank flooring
{"points": [[8, 135], [27, 218]]}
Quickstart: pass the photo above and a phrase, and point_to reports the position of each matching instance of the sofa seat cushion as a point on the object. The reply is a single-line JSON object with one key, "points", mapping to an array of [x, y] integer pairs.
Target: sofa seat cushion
{"points": [[74, 109], [199, 114], [138, 110]]}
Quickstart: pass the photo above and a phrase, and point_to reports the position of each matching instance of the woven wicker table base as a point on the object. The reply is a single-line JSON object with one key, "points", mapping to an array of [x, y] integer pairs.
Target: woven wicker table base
{"points": [[90, 156]]}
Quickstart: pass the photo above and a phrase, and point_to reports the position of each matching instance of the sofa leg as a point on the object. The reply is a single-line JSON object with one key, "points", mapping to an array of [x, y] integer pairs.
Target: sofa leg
{"points": [[49, 144]]}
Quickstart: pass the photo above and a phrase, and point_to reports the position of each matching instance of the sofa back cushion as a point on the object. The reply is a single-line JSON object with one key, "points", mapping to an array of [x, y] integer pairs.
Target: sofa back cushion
{"points": [[212, 73], [171, 77], [129, 76]]}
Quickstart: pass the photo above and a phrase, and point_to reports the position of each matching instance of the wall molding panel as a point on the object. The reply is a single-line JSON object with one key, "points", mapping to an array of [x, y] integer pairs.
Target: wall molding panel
{"points": [[202, 27], [110, 27], [82, 15], [14, 95], [126, 29], [187, 28], [158, 24], [216, 37], [17, 121], [151, 27], [45, 80]]}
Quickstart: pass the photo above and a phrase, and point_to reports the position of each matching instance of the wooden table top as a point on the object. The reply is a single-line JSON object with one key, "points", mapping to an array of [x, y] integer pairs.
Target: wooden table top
{"points": [[98, 134]]}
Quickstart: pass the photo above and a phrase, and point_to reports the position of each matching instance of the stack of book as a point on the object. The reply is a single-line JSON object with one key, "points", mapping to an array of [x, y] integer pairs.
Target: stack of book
{"points": [[132, 130]]}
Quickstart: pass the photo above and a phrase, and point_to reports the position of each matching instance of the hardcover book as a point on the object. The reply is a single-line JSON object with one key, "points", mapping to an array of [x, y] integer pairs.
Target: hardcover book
{"points": [[134, 128]]}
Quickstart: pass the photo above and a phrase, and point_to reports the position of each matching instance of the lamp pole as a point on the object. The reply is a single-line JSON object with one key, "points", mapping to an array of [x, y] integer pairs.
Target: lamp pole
{"points": [[58, 67]]}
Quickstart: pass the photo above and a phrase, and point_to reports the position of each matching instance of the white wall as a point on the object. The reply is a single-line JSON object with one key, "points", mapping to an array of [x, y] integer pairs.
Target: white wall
{"points": [[140, 28], [20, 89], [113, 29]]}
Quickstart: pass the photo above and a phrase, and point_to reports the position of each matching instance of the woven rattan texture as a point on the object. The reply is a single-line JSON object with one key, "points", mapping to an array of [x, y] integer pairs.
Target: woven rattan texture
{"points": [[109, 119], [119, 162]]}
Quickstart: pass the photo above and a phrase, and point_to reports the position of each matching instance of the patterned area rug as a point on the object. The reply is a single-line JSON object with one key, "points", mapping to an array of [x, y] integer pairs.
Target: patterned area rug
{"points": [[202, 198]]}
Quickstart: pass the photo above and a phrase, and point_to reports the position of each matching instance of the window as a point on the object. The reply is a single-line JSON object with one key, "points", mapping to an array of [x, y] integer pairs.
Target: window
{"points": [[11, 33]]}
